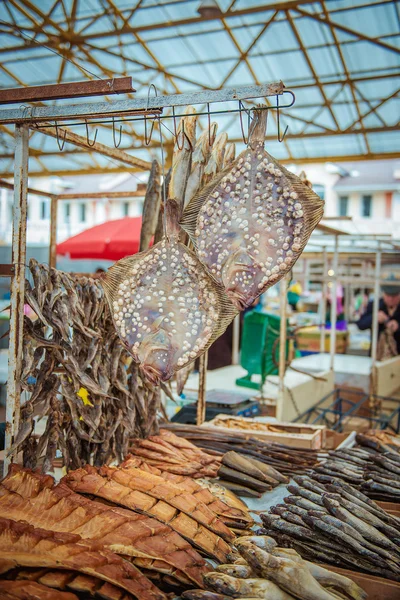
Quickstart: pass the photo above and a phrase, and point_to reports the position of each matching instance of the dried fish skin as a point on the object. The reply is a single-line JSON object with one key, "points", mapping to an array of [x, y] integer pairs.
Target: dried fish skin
{"points": [[165, 307], [251, 223]]}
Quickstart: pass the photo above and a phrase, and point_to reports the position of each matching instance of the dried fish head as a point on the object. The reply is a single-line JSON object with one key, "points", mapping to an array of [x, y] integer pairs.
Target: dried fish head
{"points": [[251, 223], [166, 308]]}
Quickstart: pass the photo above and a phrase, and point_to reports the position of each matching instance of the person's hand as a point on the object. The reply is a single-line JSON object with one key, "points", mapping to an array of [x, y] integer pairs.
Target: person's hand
{"points": [[382, 317], [392, 326]]}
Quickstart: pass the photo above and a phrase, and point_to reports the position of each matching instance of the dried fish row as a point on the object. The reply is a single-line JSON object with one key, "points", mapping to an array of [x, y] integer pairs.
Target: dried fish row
{"points": [[26, 495], [285, 459], [265, 571], [333, 522]]}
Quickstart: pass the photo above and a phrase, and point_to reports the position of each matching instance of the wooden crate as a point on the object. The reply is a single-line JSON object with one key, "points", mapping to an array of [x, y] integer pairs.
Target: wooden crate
{"points": [[377, 588], [298, 435]]}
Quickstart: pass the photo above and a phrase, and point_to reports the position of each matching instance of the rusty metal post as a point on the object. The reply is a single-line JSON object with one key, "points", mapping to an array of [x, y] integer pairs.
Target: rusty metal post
{"points": [[236, 340], [201, 399], [335, 268], [283, 287], [17, 285], [53, 232], [324, 295]]}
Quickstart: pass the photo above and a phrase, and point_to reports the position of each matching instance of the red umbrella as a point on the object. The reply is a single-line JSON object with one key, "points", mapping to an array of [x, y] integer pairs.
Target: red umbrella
{"points": [[112, 240]]}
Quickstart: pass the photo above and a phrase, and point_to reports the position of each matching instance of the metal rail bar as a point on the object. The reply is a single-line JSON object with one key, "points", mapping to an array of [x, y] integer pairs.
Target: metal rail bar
{"points": [[98, 195], [375, 323], [17, 286], [132, 106], [10, 186], [76, 89]]}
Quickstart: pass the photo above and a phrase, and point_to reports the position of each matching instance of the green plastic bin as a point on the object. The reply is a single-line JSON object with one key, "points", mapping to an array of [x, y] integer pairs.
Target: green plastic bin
{"points": [[259, 335]]}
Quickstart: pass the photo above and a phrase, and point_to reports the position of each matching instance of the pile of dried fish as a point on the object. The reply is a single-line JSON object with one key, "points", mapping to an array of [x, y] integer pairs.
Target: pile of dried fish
{"points": [[335, 523], [285, 459], [79, 376], [171, 453], [247, 476], [373, 466], [262, 570]]}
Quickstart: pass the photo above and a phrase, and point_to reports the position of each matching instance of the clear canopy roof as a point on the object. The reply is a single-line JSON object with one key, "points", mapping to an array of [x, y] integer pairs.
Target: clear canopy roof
{"points": [[340, 58]]}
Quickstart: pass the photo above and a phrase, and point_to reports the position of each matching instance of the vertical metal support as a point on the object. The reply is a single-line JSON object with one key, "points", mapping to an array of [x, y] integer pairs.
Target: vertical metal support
{"points": [[347, 292], [282, 345], [235, 340], [323, 301], [335, 268], [201, 399], [17, 285], [53, 232], [375, 324]]}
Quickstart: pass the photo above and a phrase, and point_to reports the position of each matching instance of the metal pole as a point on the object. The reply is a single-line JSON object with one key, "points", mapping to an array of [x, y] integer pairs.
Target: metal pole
{"points": [[282, 345], [323, 301], [335, 267], [201, 400], [53, 232], [17, 286], [375, 309], [235, 340]]}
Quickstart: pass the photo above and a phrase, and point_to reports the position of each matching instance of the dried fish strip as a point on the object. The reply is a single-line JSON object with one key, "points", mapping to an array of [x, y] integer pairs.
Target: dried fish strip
{"points": [[22, 545], [166, 309], [251, 223], [32, 497], [31, 590], [90, 481]]}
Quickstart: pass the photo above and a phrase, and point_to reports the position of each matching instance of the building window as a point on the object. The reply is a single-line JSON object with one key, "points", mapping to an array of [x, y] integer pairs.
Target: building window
{"points": [[125, 209], [44, 210], [67, 211], [366, 206], [82, 212], [343, 206], [320, 190]]}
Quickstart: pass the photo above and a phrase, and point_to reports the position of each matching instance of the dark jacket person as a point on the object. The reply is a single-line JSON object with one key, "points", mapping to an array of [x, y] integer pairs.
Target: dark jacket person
{"points": [[388, 314]]}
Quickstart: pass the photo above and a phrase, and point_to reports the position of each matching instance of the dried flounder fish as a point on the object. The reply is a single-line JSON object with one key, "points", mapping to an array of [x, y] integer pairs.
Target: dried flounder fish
{"points": [[166, 308], [253, 220]]}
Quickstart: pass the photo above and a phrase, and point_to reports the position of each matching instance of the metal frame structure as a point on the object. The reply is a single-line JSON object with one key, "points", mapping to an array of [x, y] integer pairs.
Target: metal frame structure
{"points": [[107, 39], [320, 413], [26, 120]]}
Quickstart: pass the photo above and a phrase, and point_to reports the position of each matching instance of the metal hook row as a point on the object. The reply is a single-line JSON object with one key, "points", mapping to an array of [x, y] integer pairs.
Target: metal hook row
{"points": [[277, 107]]}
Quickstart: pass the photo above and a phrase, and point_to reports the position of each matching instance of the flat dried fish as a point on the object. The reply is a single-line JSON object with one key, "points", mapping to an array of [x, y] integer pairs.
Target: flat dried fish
{"points": [[251, 223], [151, 206], [166, 308]]}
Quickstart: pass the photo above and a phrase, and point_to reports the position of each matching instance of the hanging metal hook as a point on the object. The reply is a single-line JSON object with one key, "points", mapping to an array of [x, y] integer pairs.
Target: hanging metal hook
{"points": [[278, 107], [117, 145], [89, 143], [211, 136], [60, 144], [147, 140], [242, 108]]}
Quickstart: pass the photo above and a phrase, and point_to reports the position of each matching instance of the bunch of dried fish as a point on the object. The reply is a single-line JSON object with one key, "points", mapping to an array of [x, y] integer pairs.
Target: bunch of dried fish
{"points": [[144, 541], [152, 495], [171, 453], [265, 571], [284, 459], [373, 466], [223, 503], [335, 523], [248, 476], [250, 224], [79, 376]]}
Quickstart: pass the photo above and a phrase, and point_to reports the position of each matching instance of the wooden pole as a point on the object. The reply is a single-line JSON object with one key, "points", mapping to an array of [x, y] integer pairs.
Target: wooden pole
{"points": [[53, 232], [282, 345], [201, 400]]}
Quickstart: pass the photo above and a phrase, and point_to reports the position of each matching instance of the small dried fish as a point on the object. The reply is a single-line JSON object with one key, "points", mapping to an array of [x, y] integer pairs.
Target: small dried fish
{"points": [[184, 145], [251, 223], [200, 157], [151, 206]]}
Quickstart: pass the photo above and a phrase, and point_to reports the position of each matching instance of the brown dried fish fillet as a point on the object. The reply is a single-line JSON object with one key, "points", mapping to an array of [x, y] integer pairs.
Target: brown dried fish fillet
{"points": [[122, 531], [30, 590], [166, 309], [22, 545], [104, 483], [253, 220]]}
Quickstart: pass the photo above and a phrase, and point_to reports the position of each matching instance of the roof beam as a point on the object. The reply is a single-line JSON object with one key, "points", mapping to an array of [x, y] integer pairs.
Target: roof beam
{"points": [[115, 153]]}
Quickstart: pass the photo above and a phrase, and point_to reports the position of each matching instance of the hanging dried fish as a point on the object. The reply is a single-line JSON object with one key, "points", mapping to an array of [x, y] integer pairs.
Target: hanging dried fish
{"points": [[166, 308], [200, 157], [151, 206], [251, 223]]}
